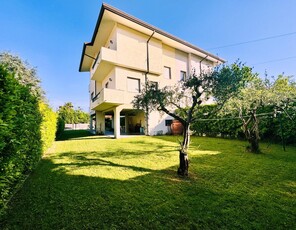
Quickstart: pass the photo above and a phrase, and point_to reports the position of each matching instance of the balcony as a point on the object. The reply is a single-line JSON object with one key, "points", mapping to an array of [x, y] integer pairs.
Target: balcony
{"points": [[103, 64], [107, 98]]}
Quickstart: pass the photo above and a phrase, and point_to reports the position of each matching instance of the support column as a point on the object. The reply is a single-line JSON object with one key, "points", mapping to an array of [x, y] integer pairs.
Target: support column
{"points": [[91, 123], [116, 111], [100, 122]]}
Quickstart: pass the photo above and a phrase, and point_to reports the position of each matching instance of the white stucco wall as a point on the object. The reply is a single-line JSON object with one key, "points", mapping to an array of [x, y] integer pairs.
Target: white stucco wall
{"points": [[130, 57], [157, 123], [195, 64], [132, 50]]}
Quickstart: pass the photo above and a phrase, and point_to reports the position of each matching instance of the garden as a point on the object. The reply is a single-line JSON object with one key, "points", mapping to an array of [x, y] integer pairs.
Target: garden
{"points": [[215, 176], [94, 182]]}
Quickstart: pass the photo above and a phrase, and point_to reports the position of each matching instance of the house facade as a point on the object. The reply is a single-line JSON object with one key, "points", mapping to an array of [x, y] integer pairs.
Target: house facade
{"points": [[124, 52]]}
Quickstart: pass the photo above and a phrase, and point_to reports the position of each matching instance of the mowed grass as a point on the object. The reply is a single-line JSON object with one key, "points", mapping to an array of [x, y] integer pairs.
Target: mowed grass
{"points": [[92, 182]]}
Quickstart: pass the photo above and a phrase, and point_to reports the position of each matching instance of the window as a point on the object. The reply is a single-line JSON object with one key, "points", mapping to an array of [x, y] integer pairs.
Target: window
{"points": [[133, 85], [182, 75], [168, 122], [155, 84], [167, 72]]}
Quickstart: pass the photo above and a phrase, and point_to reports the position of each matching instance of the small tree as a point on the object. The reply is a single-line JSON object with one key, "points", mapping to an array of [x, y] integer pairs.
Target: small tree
{"points": [[257, 95], [182, 100], [81, 116], [67, 113]]}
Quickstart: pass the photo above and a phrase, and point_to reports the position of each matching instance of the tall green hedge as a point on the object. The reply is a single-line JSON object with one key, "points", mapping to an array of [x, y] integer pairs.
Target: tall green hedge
{"points": [[20, 120], [27, 128], [48, 125], [60, 127]]}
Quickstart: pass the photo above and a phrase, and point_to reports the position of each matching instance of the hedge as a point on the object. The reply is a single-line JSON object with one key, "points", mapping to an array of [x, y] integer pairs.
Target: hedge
{"points": [[48, 125], [27, 128], [271, 128], [60, 127]]}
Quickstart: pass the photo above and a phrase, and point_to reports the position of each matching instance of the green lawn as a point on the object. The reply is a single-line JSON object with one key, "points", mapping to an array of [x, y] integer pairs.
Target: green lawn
{"points": [[91, 182]]}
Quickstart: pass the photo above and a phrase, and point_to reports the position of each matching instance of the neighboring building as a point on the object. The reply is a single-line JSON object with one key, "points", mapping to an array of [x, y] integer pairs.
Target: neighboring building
{"points": [[122, 53]]}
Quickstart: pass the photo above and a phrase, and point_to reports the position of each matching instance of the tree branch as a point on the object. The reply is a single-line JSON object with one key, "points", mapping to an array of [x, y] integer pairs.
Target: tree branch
{"points": [[162, 108]]}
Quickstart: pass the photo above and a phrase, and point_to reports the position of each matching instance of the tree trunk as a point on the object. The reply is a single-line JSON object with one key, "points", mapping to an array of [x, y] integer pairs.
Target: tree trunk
{"points": [[254, 136], [254, 143], [183, 155], [147, 122]]}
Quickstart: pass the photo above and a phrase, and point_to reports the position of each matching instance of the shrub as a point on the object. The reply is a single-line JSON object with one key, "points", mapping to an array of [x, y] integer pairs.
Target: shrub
{"points": [[20, 136], [27, 125], [210, 125], [48, 125], [60, 127], [270, 127]]}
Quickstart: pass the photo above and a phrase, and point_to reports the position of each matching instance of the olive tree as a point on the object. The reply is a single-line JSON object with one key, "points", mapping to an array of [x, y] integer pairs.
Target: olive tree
{"points": [[182, 100], [278, 96]]}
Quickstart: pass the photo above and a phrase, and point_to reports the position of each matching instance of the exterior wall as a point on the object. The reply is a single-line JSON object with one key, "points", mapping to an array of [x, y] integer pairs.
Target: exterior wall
{"points": [[131, 50], [195, 64], [177, 61], [131, 62], [181, 63], [168, 60], [157, 123], [110, 79], [121, 75], [111, 42]]}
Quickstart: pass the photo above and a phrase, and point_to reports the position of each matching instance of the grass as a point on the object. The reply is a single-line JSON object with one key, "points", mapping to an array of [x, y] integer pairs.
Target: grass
{"points": [[92, 182]]}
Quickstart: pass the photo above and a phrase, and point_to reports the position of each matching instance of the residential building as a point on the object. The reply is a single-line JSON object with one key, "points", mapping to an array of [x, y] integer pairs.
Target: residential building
{"points": [[123, 53]]}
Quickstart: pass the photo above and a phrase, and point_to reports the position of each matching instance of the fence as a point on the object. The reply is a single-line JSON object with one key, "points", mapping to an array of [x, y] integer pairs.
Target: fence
{"points": [[76, 126]]}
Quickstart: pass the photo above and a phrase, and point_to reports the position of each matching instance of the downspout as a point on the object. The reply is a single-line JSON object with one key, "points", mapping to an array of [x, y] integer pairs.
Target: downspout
{"points": [[146, 80], [201, 62], [147, 49]]}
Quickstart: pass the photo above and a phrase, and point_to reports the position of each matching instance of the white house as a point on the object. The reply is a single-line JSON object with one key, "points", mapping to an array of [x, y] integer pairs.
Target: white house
{"points": [[125, 51]]}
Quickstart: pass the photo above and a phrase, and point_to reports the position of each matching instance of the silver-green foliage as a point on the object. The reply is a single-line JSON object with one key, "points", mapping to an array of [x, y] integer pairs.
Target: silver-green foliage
{"points": [[259, 95], [23, 72]]}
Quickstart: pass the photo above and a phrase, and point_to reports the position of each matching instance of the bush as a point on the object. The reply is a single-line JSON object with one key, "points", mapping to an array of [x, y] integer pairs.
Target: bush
{"points": [[27, 125], [20, 136], [281, 126], [60, 127], [48, 125], [270, 127], [211, 126]]}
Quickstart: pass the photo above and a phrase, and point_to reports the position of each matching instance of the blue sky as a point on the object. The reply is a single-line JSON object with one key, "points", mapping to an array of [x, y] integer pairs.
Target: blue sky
{"points": [[49, 34]]}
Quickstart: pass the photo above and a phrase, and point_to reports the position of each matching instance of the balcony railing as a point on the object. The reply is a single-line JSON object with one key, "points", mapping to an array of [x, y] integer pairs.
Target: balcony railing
{"points": [[107, 97], [96, 96], [93, 66], [104, 62]]}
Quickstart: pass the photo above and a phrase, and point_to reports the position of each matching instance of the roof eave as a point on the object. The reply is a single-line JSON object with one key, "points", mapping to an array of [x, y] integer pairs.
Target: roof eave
{"points": [[94, 35], [142, 23], [157, 30]]}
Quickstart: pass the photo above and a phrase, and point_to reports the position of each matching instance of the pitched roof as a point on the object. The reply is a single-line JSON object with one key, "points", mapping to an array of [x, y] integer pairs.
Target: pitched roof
{"points": [[106, 7]]}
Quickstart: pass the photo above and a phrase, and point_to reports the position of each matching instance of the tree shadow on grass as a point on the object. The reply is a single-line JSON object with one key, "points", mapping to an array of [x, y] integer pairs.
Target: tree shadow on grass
{"points": [[212, 198], [72, 134], [82, 161]]}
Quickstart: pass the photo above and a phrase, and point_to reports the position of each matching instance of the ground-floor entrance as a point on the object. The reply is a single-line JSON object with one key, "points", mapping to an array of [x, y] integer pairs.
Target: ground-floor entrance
{"points": [[117, 121]]}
